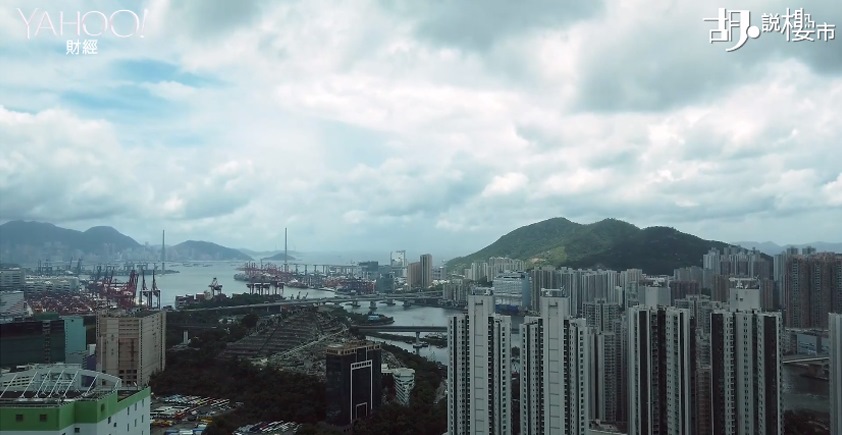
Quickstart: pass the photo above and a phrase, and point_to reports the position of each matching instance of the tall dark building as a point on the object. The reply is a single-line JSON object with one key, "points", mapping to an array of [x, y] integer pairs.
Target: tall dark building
{"points": [[353, 381], [426, 271], [812, 289], [32, 342], [369, 269]]}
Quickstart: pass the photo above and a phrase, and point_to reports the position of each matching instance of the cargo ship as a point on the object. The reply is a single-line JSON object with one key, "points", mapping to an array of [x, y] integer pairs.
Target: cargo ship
{"points": [[295, 284], [379, 319]]}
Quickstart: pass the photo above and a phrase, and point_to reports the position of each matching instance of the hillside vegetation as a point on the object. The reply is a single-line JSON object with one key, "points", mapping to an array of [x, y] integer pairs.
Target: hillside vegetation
{"points": [[609, 243]]}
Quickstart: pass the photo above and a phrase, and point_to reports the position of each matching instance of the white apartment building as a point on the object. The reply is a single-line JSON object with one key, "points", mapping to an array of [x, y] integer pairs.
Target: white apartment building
{"points": [[51, 283], [744, 299], [745, 356], [404, 383], [661, 367], [11, 279], [655, 296], [513, 289], [479, 370], [131, 346], [554, 375], [835, 326]]}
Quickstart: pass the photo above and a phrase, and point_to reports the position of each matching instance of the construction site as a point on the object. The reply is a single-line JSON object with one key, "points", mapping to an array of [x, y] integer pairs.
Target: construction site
{"points": [[295, 340]]}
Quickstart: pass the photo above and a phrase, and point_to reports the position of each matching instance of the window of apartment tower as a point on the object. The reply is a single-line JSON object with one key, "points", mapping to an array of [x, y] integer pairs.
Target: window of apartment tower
{"points": [[42, 417], [18, 417]]}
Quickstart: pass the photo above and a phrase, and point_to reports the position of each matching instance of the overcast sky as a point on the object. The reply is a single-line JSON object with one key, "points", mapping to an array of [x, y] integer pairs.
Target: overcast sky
{"points": [[420, 125]]}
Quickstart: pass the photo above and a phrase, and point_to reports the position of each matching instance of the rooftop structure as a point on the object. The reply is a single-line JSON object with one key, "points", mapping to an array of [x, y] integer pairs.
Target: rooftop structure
{"points": [[60, 399], [55, 383], [350, 347]]}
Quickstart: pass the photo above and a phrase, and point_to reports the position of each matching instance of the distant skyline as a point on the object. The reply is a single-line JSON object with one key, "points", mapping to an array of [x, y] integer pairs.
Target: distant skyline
{"points": [[427, 126]]}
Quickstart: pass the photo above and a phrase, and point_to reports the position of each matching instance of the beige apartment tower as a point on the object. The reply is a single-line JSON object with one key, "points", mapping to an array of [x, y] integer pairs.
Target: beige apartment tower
{"points": [[131, 346]]}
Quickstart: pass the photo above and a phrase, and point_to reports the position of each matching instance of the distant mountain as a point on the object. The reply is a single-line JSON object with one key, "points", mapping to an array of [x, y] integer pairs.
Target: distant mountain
{"points": [[609, 243], [205, 251], [266, 254], [20, 236], [95, 237], [770, 248], [23, 242], [279, 257]]}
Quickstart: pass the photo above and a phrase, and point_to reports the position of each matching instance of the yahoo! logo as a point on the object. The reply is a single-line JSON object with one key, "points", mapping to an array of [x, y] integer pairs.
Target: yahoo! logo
{"points": [[90, 23]]}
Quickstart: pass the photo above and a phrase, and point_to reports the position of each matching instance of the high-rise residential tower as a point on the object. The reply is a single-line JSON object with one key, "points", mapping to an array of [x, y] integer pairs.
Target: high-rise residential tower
{"points": [[603, 320], [812, 289], [555, 365], [662, 367], [479, 370], [745, 361], [426, 271]]}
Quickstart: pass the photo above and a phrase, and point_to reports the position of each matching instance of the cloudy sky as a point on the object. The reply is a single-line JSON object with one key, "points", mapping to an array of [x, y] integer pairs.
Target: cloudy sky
{"points": [[424, 125]]}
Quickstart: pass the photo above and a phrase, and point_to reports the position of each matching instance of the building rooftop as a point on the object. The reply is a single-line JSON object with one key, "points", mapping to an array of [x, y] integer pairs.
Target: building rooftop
{"points": [[132, 313], [554, 292], [350, 347], [55, 383]]}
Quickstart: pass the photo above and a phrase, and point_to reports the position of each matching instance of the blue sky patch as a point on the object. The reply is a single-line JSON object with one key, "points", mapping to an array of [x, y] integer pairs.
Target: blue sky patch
{"points": [[117, 102], [154, 71]]}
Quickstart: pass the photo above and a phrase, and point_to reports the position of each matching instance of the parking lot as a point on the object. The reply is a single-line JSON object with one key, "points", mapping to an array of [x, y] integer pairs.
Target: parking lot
{"points": [[269, 428], [181, 412]]}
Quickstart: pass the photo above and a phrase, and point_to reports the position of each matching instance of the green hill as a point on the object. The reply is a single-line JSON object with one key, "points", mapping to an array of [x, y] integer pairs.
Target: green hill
{"points": [[609, 243]]}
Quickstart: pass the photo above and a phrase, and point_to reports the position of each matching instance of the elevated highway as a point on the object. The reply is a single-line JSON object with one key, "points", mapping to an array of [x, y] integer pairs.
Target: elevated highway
{"points": [[416, 329], [322, 301], [390, 328], [801, 359]]}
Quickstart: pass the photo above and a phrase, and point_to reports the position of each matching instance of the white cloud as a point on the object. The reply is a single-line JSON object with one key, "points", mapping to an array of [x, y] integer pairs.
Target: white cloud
{"points": [[505, 184], [833, 191], [368, 124]]}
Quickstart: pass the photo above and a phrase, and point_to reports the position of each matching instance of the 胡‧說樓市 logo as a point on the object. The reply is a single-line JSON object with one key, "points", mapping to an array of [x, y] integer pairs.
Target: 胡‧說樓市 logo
{"points": [[736, 27]]}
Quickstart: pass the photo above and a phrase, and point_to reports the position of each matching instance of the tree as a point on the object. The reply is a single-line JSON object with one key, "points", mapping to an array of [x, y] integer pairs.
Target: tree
{"points": [[317, 429], [249, 320]]}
